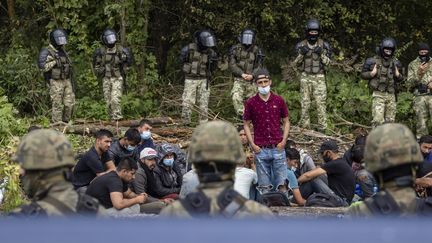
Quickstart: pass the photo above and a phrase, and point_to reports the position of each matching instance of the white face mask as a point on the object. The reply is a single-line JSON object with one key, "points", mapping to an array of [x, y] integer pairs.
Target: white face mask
{"points": [[264, 90]]}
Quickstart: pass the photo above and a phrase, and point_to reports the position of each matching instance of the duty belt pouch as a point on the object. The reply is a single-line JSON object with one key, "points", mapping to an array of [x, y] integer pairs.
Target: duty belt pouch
{"points": [[55, 73], [187, 68], [194, 68], [271, 199]]}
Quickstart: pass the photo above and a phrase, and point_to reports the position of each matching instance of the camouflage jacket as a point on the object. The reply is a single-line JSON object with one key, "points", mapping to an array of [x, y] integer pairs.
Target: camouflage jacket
{"points": [[249, 209], [404, 197], [416, 78]]}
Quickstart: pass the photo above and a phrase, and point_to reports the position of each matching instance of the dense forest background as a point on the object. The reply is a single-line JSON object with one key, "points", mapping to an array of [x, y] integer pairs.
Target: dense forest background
{"points": [[155, 30]]}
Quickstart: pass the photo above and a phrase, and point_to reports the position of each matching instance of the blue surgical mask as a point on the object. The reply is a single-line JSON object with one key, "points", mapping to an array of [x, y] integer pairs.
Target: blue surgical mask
{"points": [[145, 135], [168, 162], [293, 169], [264, 90], [130, 148]]}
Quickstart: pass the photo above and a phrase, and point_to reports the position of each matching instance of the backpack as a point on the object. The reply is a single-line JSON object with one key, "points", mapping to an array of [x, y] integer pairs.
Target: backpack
{"points": [[323, 200], [275, 199]]}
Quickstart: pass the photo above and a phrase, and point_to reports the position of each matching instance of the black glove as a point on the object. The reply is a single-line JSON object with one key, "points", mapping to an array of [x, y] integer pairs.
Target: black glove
{"points": [[304, 50], [422, 88], [318, 50]]}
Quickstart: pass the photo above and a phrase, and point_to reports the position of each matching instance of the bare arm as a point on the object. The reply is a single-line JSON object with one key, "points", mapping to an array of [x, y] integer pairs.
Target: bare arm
{"points": [[298, 197], [424, 182], [246, 126], [311, 175], [119, 202], [286, 129]]}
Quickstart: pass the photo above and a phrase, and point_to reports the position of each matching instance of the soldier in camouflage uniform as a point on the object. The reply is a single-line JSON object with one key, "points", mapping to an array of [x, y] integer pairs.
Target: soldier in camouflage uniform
{"points": [[215, 151], [420, 80], [57, 68], [392, 155], [383, 72], [313, 54], [110, 63], [46, 158], [244, 58], [199, 61]]}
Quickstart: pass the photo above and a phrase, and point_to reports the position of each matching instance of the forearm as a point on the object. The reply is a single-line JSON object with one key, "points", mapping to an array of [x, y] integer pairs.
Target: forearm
{"points": [[298, 59], [248, 132], [125, 203], [286, 130], [424, 182]]}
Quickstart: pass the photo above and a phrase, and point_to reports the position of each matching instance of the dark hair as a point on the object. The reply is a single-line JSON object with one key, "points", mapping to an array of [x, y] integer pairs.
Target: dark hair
{"points": [[292, 153], [133, 135], [290, 143], [103, 133], [357, 153], [360, 140], [127, 163], [425, 139], [239, 128], [32, 128], [144, 121]]}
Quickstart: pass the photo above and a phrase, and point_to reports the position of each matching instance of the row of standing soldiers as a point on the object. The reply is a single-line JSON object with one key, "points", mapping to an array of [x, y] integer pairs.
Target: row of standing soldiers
{"points": [[199, 60]]}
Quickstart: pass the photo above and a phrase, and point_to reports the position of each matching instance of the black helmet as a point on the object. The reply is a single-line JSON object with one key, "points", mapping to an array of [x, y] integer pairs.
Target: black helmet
{"points": [[387, 43], [247, 37], [109, 37], [58, 37], [206, 39], [312, 24]]}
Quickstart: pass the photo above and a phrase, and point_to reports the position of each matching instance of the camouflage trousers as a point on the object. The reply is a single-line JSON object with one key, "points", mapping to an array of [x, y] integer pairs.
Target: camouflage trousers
{"points": [[240, 92], [189, 98], [313, 84], [113, 89], [383, 108], [423, 110], [63, 100]]}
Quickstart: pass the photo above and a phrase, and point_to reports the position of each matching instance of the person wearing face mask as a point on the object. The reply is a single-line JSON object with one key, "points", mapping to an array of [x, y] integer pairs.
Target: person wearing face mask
{"points": [[383, 72], [312, 56], [167, 174], [293, 185], [144, 128], [57, 68], [125, 146], [244, 58], [265, 111], [341, 180], [420, 80], [110, 63]]}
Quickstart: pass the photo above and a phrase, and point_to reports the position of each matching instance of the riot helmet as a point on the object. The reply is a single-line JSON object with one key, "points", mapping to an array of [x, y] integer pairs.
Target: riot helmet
{"points": [[387, 47], [424, 50], [247, 37], [312, 25], [58, 38], [215, 150], [206, 39], [109, 37]]}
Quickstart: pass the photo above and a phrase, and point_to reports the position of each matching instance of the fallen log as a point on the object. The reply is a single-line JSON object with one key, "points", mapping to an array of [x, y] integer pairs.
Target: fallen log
{"points": [[309, 212], [154, 121]]}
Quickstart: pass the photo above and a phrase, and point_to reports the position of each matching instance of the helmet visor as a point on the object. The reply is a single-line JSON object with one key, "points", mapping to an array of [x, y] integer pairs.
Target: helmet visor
{"points": [[61, 40], [110, 39], [209, 41], [247, 39]]}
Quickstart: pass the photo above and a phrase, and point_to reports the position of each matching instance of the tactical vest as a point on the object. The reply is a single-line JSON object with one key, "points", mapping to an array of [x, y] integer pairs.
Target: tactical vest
{"points": [[62, 72], [312, 61], [384, 79], [112, 61], [197, 64], [246, 59]]}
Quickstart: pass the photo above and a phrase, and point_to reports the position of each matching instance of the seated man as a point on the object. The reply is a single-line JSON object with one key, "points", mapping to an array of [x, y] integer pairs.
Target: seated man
{"points": [[124, 146], [145, 183], [244, 179], [144, 129], [305, 161], [293, 157], [168, 177], [94, 162], [341, 181], [367, 185], [424, 176], [111, 189], [360, 140]]}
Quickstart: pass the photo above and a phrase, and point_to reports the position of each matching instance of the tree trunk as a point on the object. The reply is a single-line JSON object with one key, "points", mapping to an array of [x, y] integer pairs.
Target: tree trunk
{"points": [[11, 12], [123, 24]]}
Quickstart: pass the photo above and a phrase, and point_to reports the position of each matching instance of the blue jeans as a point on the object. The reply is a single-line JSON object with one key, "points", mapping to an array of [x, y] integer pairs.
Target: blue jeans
{"points": [[270, 161]]}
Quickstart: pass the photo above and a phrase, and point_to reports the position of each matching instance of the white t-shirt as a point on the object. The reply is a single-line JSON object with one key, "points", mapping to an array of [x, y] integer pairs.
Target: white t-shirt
{"points": [[244, 179]]}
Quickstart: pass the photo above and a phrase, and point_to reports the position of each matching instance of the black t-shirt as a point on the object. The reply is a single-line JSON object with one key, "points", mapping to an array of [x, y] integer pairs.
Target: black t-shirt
{"points": [[341, 178], [88, 166], [101, 187]]}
